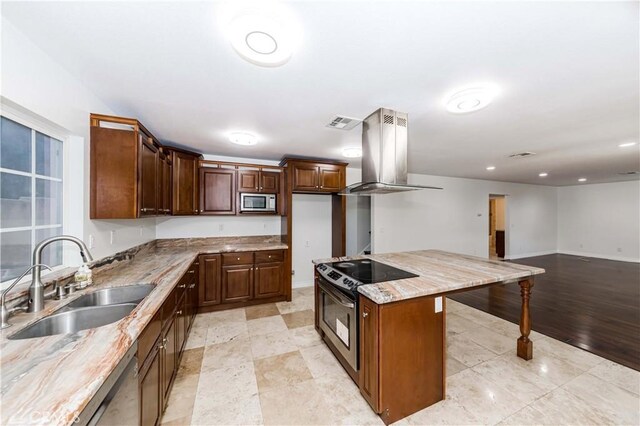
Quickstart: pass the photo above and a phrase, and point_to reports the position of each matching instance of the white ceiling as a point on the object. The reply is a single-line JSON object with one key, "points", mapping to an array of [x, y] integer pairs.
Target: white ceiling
{"points": [[569, 75]]}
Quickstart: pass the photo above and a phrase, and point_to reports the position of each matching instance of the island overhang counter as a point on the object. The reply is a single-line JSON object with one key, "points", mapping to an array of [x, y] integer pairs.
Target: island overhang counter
{"points": [[401, 324]]}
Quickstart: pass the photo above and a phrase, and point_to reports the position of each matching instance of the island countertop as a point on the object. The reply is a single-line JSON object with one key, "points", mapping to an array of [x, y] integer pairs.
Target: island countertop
{"points": [[49, 380], [439, 272]]}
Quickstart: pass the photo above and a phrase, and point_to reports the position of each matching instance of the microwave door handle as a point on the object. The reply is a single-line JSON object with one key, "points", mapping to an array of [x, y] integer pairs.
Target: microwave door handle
{"points": [[336, 297]]}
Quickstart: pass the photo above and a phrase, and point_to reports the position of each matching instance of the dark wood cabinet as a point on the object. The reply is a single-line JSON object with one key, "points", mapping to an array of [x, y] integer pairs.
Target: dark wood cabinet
{"points": [[369, 352], [217, 191], [184, 182], [248, 181], [164, 183], [309, 176], [148, 186], [269, 274], [181, 323], [168, 358], [401, 355], [270, 182], [209, 289], [149, 390], [237, 283]]}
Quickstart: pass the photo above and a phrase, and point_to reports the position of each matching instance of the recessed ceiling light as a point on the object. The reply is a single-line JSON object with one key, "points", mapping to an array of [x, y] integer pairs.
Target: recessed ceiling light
{"points": [[490, 168], [352, 152], [543, 174], [263, 34], [470, 99], [582, 180], [627, 144], [243, 138]]}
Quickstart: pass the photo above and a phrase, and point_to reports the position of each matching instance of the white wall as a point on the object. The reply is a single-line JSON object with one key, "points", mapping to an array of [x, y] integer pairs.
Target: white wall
{"points": [[600, 220], [311, 234], [456, 218], [34, 81]]}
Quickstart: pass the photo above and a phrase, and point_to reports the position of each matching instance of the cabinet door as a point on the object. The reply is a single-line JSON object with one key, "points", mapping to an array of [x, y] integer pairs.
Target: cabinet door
{"points": [[169, 360], [149, 388], [269, 280], [237, 283], [305, 177], [166, 186], [181, 323], [330, 179], [185, 188], [269, 182], [248, 181], [369, 354], [209, 285], [148, 185], [217, 191]]}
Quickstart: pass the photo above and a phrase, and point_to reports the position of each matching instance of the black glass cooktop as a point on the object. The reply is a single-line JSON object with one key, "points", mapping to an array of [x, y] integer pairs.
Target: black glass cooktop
{"points": [[369, 271]]}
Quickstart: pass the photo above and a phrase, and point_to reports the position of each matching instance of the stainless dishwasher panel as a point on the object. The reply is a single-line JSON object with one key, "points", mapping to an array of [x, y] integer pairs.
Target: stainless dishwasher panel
{"points": [[117, 401]]}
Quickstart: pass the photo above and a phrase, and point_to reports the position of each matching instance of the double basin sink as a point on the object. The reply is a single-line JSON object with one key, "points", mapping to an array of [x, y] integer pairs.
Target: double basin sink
{"points": [[90, 310]]}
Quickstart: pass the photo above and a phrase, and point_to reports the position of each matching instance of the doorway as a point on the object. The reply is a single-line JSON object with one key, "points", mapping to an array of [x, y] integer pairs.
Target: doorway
{"points": [[497, 226]]}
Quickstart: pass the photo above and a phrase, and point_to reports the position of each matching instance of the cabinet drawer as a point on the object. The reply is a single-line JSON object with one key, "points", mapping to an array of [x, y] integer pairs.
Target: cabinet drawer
{"points": [[244, 258], [148, 338], [269, 256]]}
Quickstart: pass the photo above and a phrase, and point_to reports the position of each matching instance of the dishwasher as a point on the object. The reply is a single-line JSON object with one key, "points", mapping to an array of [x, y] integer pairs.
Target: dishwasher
{"points": [[116, 402]]}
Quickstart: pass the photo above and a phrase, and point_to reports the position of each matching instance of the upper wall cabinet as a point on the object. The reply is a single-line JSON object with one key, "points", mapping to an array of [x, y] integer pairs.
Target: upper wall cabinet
{"points": [[184, 181], [258, 181], [124, 169], [217, 191], [312, 176]]}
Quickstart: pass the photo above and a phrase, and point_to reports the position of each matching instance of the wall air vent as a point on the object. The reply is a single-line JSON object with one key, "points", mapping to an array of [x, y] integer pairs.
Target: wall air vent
{"points": [[629, 173], [522, 154], [343, 123]]}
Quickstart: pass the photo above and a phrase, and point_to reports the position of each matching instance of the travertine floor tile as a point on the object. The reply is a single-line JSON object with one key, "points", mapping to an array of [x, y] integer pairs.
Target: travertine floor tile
{"points": [[266, 325], [454, 366], [299, 318], [495, 342], [619, 375], [191, 361], [215, 319], [297, 304], [242, 412], [227, 354], [465, 350], [197, 337], [447, 412], [281, 370], [305, 336], [322, 362], [616, 404], [226, 386], [181, 399], [266, 345], [226, 332], [554, 370], [457, 324], [261, 311], [578, 357]]}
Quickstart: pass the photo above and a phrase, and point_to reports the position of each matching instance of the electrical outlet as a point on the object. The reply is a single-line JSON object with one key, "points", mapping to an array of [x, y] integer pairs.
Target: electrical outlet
{"points": [[619, 250], [580, 245], [91, 241], [221, 227], [306, 244], [112, 236], [141, 230], [293, 272]]}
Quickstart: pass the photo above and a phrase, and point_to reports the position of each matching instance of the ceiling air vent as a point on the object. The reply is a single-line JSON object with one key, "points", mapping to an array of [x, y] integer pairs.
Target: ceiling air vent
{"points": [[522, 154], [629, 173], [343, 123]]}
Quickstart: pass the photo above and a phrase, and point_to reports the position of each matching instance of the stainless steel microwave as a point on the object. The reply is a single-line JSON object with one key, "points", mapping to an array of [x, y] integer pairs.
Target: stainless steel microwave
{"points": [[257, 202]]}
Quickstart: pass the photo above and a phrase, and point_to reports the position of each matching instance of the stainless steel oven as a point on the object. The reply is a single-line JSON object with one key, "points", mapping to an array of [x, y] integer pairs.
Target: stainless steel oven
{"points": [[338, 319], [250, 202]]}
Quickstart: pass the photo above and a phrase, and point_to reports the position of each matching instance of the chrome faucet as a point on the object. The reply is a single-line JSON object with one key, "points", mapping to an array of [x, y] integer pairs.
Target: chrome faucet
{"points": [[4, 312], [36, 290]]}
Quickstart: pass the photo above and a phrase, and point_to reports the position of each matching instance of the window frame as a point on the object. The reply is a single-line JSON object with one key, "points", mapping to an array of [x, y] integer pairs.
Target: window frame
{"points": [[37, 124]]}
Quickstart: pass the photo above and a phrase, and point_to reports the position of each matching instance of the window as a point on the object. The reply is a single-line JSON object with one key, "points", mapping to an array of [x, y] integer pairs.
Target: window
{"points": [[31, 196]]}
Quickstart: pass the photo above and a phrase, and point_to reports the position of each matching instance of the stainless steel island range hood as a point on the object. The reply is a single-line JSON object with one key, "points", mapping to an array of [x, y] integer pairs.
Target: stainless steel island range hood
{"points": [[384, 155]]}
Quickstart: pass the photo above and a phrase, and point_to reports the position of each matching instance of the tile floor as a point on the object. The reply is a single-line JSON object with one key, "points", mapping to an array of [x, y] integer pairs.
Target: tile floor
{"points": [[266, 365]]}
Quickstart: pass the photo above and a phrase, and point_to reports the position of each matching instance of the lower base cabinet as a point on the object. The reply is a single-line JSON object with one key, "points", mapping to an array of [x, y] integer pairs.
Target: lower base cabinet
{"points": [[159, 362], [232, 280]]}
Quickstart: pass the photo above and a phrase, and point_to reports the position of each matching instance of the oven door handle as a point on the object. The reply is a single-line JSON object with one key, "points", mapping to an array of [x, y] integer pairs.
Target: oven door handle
{"points": [[335, 296]]}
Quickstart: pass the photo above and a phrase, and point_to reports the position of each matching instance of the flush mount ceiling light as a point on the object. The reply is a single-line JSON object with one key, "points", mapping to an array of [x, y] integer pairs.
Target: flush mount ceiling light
{"points": [[243, 138], [582, 180], [491, 168], [470, 99], [352, 152], [543, 174], [627, 144], [263, 33]]}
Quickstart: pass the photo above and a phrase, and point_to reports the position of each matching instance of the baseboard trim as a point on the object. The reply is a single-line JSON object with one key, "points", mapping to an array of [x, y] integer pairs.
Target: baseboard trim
{"points": [[538, 253], [599, 256]]}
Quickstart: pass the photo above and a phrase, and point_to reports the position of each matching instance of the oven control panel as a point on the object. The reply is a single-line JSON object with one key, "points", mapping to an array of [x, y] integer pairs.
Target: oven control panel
{"points": [[337, 278]]}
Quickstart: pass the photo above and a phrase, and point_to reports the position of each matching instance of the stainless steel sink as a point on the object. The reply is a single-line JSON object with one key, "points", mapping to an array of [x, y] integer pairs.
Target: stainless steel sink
{"points": [[75, 320], [112, 296]]}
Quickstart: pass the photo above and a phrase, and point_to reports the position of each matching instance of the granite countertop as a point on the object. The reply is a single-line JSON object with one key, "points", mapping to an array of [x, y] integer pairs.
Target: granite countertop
{"points": [[439, 272], [50, 380]]}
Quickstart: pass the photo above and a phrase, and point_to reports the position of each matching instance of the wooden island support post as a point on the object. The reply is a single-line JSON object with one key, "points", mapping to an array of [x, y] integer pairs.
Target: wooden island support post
{"points": [[525, 345]]}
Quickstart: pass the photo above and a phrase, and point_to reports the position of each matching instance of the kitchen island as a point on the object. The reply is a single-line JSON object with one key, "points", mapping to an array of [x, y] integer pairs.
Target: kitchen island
{"points": [[401, 333]]}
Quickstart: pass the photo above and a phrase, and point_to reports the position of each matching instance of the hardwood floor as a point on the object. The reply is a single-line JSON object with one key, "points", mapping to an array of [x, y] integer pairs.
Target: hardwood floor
{"points": [[590, 303]]}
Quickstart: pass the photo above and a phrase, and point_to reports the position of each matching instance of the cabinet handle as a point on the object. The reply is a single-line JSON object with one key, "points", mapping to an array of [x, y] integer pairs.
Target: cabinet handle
{"points": [[365, 314], [191, 272], [192, 285], [321, 186], [182, 286], [179, 312], [269, 256], [238, 258]]}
